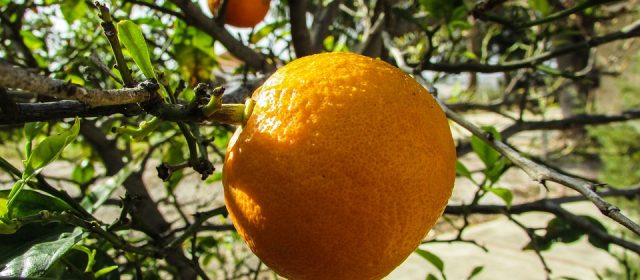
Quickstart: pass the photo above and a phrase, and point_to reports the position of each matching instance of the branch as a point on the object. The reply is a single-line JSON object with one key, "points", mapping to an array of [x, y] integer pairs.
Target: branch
{"points": [[235, 47], [321, 23], [553, 206], [18, 78], [201, 218], [567, 123], [571, 122], [158, 8], [13, 31], [552, 17], [112, 36], [48, 111], [542, 173], [299, 31], [67, 218], [629, 31]]}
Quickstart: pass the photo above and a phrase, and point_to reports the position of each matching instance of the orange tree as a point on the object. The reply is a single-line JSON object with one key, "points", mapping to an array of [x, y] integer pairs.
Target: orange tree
{"points": [[95, 98]]}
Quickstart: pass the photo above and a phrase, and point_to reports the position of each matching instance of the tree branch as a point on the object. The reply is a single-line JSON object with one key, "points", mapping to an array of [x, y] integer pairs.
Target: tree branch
{"points": [[552, 206], [629, 31], [542, 173], [321, 23], [18, 78], [299, 31]]}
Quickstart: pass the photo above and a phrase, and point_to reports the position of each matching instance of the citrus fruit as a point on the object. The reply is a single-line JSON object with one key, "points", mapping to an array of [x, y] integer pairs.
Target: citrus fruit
{"points": [[342, 168], [242, 13]]}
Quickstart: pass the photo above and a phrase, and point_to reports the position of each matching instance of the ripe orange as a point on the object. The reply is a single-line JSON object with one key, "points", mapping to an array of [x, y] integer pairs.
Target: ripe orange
{"points": [[341, 170], [242, 13]]}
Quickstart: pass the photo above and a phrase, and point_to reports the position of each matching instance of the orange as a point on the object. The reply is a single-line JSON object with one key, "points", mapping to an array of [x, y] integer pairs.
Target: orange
{"points": [[242, 13], [342, 168]]}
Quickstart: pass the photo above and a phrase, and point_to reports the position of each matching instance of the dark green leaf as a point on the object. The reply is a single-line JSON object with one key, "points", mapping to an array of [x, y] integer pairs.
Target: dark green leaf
{"points": [[476, 270], [31, 202], [431, 277], [433, 259], [560, 230], [131, 37], [34, 248], [595, 241], [538, 242]]}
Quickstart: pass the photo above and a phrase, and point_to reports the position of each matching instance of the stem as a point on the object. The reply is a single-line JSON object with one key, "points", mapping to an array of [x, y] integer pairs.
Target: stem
{"points": [[112, 35]]}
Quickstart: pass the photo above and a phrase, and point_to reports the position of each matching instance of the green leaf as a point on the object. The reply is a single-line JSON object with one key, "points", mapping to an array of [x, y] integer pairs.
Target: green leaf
{"points": [[105, 271], [486, 153], [541, 6], [471, 55], [34, 248], [73, 10], [496, 171], [476, 270], [50, 149], [462, 170], [503, 193], [31, 130], [266, 30], [131, 37], [100, 193], [83, 173], [433, 259], [27, 203]]}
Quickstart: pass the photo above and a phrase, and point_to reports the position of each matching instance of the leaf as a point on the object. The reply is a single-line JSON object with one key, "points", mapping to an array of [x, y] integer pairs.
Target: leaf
{"points": [[266, 30], [541, 6], [560, 230], [471, 55], [83, 173], [27, 203], [476, 270], [34, 248], [496, 171], [105, 271], [485, 152], [431, 277], [463, 171], [73, 10], [595, 241], [100, 193], [131, 37], [50, 149], [505, 194], [433, 259], [31, 130]]}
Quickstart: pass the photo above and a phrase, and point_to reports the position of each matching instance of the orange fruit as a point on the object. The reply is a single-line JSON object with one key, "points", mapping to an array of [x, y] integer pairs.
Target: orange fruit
{"points": [[342, 168], [242, 13]]}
